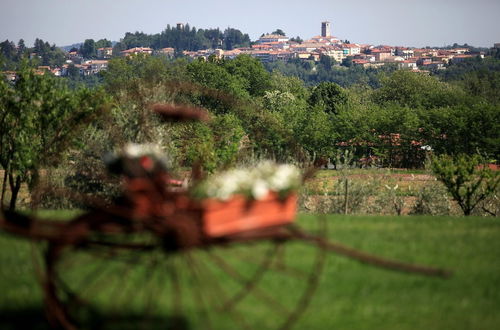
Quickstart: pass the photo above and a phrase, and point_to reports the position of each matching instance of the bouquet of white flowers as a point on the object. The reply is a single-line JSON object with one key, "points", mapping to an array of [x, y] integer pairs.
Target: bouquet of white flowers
{"points": [[254, 183], [239, 200]]}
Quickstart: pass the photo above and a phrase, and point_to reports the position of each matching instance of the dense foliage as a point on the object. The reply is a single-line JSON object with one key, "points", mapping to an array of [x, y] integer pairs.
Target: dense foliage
{"points": [[42, 53], [408, 115], [186, 38], [40, 119], [328, 70], [396, 120]]}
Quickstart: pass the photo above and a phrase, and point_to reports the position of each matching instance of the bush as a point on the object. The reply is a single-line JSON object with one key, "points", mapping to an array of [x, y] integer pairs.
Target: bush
{"points": [[432, 199], [468, 180]]}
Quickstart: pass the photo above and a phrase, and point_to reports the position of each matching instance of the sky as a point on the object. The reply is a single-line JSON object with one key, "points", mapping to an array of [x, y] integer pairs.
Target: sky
{"points": [[389, 22]]}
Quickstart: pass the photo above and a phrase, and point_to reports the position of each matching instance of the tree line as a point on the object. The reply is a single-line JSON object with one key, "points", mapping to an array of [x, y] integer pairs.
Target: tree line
{"points": [[185, 37]]}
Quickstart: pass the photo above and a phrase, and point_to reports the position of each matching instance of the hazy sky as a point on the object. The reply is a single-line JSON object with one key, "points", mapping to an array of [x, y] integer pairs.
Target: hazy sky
{"points": [[391, 22]]}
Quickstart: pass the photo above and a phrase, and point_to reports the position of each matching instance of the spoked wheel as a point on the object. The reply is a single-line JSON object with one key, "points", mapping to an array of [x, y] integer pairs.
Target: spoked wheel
{"points": [[132, 281]]}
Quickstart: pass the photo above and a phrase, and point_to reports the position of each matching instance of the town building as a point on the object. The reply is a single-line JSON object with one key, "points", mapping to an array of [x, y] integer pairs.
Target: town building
{"points": [[105, 52], [169, 52], [96, 66], [351, 49], [269, 38], [137, 50]]}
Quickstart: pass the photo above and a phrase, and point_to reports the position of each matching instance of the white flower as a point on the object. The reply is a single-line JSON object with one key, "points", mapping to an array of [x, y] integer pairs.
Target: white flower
{"points": [[133, 150], [259, 189], [255, 182]]}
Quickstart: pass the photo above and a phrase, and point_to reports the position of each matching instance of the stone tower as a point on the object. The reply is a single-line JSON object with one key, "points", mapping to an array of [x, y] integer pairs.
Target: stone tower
{"points": [[325, 29]]}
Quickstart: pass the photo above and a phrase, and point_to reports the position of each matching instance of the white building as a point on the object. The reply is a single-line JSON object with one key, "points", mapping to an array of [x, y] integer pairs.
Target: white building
{"points": [[268, 38]]}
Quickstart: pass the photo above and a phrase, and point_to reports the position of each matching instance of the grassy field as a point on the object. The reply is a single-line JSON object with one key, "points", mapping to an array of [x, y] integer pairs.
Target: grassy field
{"points": [[350, 295]]}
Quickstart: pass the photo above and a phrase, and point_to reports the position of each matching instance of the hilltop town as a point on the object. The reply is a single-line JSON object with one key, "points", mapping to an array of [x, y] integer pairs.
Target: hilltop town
{"points": [[276, 47]]}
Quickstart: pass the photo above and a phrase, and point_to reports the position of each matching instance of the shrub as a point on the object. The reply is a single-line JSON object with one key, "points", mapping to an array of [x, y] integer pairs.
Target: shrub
{"points": [[432, 199], [468, 181]]}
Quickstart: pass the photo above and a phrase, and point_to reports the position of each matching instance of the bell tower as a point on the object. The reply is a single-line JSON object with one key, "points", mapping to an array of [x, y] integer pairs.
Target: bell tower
{"points": [[325, 29]]}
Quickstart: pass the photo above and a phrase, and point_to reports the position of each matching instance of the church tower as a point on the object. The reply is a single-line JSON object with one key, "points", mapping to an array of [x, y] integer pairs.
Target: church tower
{"points": [[325, 29]]}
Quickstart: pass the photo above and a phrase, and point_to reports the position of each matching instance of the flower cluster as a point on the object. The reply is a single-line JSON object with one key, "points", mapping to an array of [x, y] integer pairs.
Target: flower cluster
{"points": [[254, 183]]}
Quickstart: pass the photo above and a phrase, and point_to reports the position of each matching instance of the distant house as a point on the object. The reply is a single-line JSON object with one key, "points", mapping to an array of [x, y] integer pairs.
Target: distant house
{"points": [[408, 64], [105, 52], [424, 60], [460, 58], [360, 62], [367, 57], [434, 66], [306, 47], [265, 46], [137, 50], [262, 55], [169, 52], [459, 51], [419, 52], [381, 55], [83, 69], [442, 58], [336, 53], [96, 66], [404, 52], [351, 49], [282, 55], [303, 55], [329, 40], [272, 38], [231, 54], [75, 57]]}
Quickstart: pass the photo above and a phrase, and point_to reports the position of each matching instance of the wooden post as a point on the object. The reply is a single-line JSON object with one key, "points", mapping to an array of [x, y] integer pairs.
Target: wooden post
{"points": [[346, 195]]}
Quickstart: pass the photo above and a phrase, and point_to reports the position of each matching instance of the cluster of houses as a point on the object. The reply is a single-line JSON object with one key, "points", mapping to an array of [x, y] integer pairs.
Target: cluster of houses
{"points": [[275, 47], [271, 47], [94, 66]]}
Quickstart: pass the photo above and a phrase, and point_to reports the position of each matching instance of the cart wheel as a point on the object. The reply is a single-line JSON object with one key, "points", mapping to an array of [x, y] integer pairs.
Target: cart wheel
{"points": [[132, 281]]}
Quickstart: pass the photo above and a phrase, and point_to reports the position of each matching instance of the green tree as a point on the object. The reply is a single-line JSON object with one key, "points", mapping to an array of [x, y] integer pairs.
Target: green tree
{"points": [[40, 118], [347, 62], [218, 89], [290, 84], [251, 72], [125, 72], [8, 53], [467, 178], [89, 49], [317, 135], [415, 90], [462, 129], [103, 43], [228, 134], [233, 38], [21, 49], [326, 63], [329, 96]]}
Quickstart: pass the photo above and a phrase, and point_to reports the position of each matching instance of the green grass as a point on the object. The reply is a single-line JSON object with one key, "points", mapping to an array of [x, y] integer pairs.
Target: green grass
{"points": [[350, 296], [355, 296]]}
